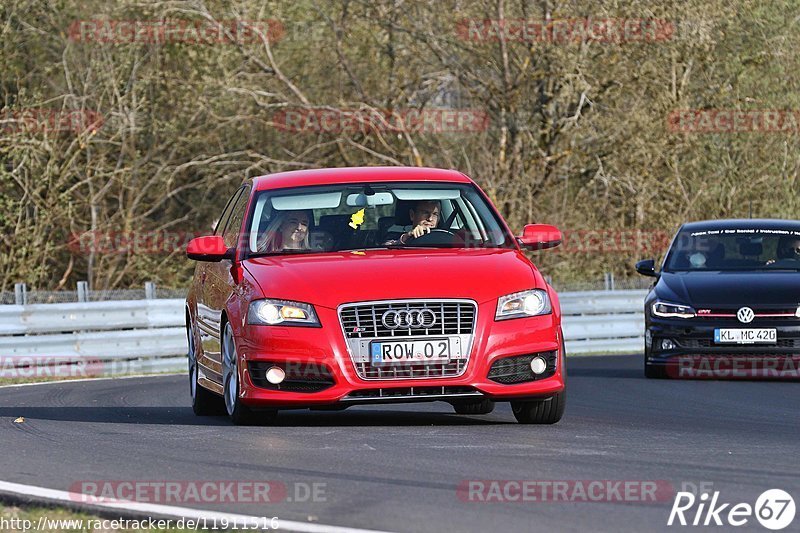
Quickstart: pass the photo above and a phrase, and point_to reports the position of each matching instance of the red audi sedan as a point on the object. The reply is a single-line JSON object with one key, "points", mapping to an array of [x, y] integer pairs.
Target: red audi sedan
{"points": [[329, 288]]}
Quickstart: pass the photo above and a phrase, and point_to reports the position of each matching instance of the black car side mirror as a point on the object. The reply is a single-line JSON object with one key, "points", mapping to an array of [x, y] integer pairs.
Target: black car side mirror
{"points": [[647, 267]]}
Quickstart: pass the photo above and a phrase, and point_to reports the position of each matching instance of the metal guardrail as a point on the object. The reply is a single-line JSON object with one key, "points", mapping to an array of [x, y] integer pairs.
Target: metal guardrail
{"points": [[90, 316], [603, 321], [22, 295], [88, 339], [114, 331]]}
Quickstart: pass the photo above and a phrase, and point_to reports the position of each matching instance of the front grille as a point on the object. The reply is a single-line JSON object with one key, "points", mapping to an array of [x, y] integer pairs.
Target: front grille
{"points": [[410, 393], [694, 343], [364, 320], [410, 371], [761, 313], [362, 323], [517, 369], [709, 343], [300, 377]]}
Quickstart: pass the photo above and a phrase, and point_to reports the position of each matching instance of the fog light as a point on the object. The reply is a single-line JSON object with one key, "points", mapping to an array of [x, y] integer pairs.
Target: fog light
{"points": [[275, 375], [667, 344], [538, 365]]}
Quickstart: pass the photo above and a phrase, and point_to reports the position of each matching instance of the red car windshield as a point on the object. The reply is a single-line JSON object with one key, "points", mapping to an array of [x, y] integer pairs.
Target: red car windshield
{"points": [[335, 218]]}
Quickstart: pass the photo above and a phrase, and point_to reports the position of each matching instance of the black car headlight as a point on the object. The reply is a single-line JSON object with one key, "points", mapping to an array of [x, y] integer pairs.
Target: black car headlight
{"points": [[671, 310], [521, 304], [285, 312]]}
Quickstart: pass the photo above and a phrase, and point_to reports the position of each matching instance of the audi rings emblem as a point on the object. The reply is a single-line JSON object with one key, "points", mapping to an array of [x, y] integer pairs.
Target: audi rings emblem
{"points": [[745, 315], [409, 319]]}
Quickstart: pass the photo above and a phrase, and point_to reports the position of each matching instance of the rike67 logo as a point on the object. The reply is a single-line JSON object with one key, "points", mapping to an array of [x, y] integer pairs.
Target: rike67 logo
{"points": [[774, 509]]}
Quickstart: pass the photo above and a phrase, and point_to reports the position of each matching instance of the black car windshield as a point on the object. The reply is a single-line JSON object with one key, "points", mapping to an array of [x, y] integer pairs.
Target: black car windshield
{"points": [[736, 248], [335, 218]]}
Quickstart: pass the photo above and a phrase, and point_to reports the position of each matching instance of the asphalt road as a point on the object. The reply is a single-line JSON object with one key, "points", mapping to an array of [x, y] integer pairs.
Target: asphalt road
{"points": [[398, 467]]}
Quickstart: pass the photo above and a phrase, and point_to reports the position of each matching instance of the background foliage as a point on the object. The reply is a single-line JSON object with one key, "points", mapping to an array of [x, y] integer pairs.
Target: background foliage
{"points": [[577, 132]]}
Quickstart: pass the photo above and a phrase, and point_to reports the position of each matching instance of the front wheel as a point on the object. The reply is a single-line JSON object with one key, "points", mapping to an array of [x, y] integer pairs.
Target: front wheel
{"points": [[547, 411], [204, 402], [238, 412], [483, 407], [654, 371]]}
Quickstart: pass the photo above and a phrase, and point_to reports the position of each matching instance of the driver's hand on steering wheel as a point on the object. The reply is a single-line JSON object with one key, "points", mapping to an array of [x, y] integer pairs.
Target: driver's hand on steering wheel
{"points": [[418, 231]]}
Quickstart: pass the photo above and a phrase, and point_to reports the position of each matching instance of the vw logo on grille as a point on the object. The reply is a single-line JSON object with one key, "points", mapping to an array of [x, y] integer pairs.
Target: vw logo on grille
{"points": [[408, 319], [745, 315]]}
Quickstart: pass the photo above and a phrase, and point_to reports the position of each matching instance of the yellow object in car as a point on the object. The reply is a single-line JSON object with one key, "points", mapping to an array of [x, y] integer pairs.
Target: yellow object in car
{"points": [[357, 219]]}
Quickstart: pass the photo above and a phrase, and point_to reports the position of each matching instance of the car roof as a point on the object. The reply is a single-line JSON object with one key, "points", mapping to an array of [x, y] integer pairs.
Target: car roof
{"points": [[327, 176], [749, 223]]}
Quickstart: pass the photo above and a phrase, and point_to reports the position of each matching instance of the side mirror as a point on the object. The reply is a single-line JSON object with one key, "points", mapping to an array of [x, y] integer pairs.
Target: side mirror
{"points": [[540, 236], [647, 268], [211, 248]]}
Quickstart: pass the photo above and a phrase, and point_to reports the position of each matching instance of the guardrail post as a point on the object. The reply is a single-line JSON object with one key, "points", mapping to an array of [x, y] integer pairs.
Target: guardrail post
{"points": [[20, 294], [83, 291], [608, 279], [150, 290]]}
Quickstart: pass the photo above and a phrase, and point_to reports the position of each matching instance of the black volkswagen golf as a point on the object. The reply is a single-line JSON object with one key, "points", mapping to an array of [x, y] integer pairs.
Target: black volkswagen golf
{"points": [[726, 302]]}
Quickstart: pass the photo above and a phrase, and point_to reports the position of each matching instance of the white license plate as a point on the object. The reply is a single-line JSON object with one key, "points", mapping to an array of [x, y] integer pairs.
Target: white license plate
{"points": [[417, 351], [746, 336]]}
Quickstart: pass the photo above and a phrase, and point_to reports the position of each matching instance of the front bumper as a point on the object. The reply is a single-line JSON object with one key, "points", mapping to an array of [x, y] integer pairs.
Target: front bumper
{"points": [[696, 354], [322, 354]]}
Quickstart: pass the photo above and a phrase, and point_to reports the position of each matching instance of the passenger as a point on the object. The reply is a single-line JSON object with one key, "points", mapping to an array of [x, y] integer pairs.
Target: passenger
{"points": [[424, 217], [715, 258], [288, 230]]}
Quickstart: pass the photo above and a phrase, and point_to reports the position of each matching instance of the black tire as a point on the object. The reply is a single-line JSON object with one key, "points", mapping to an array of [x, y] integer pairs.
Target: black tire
{"points": [[482, 407], [545, 411], [654, 371], [204, 402], [239, 413]]}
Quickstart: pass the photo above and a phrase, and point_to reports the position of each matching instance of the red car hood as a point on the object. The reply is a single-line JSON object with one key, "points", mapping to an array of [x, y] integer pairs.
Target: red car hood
{"points": [[332, 279]]}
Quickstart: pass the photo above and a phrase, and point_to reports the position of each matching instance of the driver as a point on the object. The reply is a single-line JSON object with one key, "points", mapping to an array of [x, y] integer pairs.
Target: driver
{"points": [[424, 217], [788, 249]]}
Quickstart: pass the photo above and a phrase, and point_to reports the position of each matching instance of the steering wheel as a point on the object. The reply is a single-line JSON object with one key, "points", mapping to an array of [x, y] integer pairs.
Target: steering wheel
{"points": [[436, 236]]}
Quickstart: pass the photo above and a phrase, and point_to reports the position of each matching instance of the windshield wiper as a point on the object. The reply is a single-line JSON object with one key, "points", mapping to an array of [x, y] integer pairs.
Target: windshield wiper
{"points": [[284, 252], [407, 247]]}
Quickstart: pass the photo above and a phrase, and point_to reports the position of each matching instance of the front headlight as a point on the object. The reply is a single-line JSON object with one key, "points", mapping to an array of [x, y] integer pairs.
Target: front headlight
{"points": [[521, 304], [285, 312], [670, 310]]}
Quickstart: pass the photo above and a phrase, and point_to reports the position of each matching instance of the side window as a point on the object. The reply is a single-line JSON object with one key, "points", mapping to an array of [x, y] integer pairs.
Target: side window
{"points": [[234, 226], [226, 213]]}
